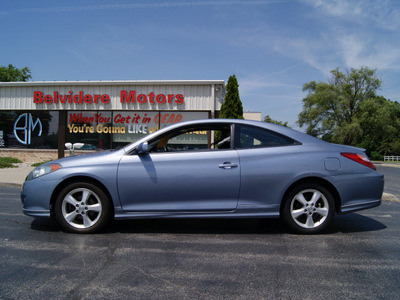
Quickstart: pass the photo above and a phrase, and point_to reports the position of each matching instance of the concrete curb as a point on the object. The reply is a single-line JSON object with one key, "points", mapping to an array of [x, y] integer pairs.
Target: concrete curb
{"points": [[386, 164], [9, 184], [390, 197]]}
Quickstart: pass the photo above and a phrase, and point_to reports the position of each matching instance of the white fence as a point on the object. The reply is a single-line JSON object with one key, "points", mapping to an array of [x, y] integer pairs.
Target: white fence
{"points": [[391, 158]]}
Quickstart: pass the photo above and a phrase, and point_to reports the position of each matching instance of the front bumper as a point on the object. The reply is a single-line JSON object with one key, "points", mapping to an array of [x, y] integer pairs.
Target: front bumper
{"points": [[36, 196]]}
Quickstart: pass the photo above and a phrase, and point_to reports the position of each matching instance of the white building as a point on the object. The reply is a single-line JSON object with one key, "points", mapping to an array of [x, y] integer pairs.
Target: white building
{"points": [[101, 114]]}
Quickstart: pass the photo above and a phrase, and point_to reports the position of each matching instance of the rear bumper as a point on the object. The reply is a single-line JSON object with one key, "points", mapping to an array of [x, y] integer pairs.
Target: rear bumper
{"points": [[360, 206], [359, 191]]}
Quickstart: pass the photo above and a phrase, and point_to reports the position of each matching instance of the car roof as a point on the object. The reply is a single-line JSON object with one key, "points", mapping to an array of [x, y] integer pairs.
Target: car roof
{"points": [[289, 132]]}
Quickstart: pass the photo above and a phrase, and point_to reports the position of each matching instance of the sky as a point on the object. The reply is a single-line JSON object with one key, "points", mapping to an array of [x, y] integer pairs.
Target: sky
{"points": [[273, 47]]}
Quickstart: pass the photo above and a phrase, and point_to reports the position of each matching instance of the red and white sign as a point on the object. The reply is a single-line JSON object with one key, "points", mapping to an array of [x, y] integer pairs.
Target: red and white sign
{"points": [[125, 97]]}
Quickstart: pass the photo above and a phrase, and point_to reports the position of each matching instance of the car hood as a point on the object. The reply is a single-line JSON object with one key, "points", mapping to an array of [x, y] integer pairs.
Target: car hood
{"points": [[88, 159]]}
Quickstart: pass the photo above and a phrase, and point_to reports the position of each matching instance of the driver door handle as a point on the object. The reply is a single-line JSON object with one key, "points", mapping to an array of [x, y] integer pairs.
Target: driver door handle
{"points": [[228, 165]]}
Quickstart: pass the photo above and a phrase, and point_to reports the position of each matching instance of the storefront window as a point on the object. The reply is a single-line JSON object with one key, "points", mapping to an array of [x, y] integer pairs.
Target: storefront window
{"points": [[29, 129], [98, 130], [113, 130], [91, 128], [129, 126]]}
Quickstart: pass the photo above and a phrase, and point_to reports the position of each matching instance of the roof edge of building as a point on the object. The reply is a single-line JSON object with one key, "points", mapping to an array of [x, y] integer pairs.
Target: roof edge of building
{"points": [[113, 82]]}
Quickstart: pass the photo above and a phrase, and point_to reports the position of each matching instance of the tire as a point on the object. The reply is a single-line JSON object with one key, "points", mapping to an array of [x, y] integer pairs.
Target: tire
{"points": [[82, 208], [308, 208]]}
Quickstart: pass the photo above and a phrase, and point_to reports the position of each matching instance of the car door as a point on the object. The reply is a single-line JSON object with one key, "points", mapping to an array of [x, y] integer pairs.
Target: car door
{"points": [[184, 175]]}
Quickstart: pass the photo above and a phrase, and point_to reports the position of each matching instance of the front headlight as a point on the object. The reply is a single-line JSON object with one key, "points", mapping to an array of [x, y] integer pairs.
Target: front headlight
{"points": [[43, 170]]}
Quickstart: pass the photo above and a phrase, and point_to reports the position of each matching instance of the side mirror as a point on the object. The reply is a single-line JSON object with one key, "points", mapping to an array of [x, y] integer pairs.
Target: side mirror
{"points": [[143, 148]]}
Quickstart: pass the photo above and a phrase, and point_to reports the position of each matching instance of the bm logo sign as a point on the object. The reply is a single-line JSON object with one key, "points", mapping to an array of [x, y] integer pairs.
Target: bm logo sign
{"points": [[25, 127]]}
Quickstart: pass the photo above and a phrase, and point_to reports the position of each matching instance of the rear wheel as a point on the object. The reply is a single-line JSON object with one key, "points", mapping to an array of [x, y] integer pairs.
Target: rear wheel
{"points": [[82, 208], [308, 208]]}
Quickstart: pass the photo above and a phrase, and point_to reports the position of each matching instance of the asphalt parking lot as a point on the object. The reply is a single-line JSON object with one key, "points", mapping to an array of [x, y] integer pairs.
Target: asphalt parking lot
{"points": [[392, 178], [357, 258]]}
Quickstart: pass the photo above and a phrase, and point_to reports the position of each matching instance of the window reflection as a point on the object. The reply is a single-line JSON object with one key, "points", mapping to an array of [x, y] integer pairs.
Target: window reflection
{"points": [[29, 129]]}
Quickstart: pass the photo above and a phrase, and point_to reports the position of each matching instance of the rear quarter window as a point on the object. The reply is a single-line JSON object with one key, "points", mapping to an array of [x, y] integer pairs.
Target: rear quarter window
{"points": [[256, 137]]}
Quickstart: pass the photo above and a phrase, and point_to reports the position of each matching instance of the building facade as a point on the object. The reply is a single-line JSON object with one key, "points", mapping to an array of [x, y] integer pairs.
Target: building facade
{"points": [[101, 114]]}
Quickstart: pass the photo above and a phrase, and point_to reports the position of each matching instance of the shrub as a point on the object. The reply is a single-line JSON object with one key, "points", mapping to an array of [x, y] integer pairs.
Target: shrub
{"points": [[8, 162], [376, 156]]}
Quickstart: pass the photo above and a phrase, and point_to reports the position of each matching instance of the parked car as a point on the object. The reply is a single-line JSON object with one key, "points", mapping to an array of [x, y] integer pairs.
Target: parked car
{"points": [[88, 147], [207, 169]]}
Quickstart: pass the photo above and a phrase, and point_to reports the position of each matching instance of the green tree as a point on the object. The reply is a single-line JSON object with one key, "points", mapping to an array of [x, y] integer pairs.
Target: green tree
{"points": [[12, 73], [380, 123], [232, 107], [269, 120], [332, 110]]}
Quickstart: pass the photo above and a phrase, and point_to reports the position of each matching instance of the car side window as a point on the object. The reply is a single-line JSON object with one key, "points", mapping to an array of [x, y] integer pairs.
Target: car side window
{"points": [[256, 137], [194, 138]]}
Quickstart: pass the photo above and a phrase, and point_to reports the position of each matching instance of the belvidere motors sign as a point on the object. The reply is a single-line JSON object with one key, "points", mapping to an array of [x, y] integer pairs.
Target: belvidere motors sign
{"points": [[125, 97]]}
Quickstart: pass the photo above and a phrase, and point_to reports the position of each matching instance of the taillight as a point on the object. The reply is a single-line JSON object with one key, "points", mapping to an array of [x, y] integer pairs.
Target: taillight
{"points": [[360, 158]]}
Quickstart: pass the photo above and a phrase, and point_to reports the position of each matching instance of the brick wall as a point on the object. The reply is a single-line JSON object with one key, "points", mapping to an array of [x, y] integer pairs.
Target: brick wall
{"points": [[35, 155]]}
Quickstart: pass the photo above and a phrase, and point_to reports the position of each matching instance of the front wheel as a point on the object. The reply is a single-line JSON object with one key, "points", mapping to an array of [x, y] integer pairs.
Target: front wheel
{"points": [[308, 208], [82, 208]]}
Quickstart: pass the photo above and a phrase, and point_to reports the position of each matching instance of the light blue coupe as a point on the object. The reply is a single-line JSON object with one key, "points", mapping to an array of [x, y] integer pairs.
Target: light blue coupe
{"points": [[207, 169]]}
